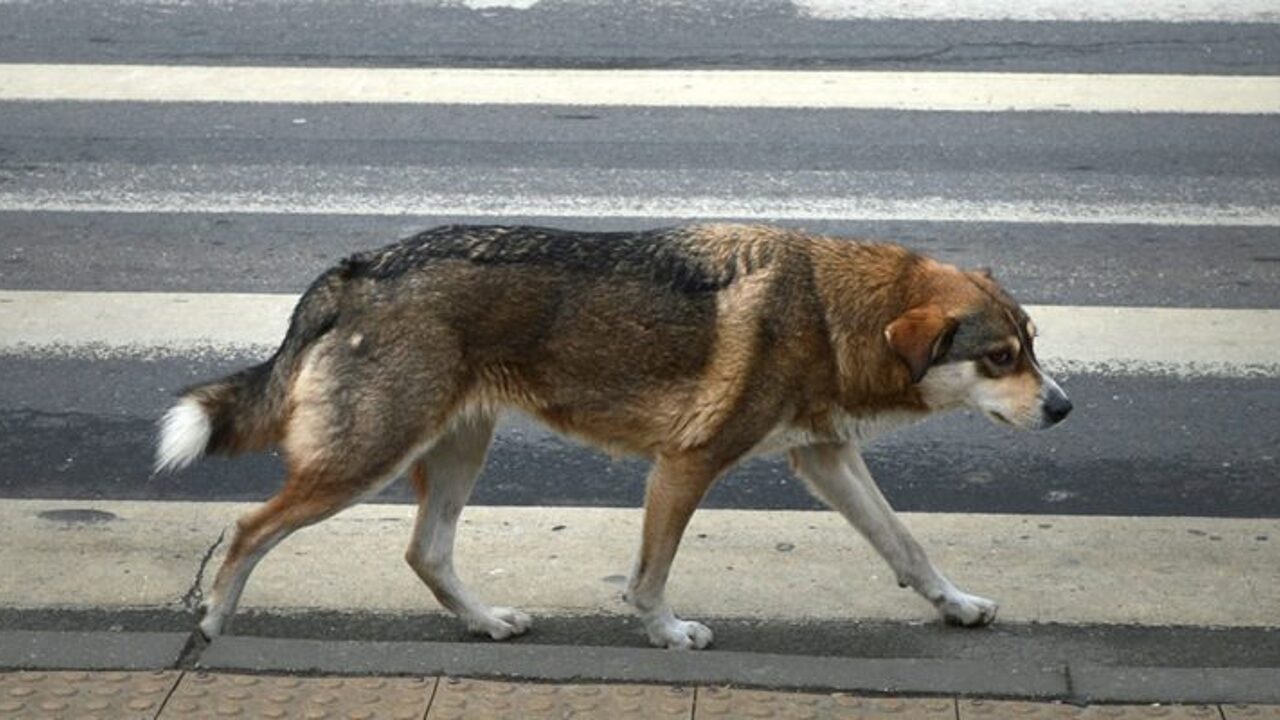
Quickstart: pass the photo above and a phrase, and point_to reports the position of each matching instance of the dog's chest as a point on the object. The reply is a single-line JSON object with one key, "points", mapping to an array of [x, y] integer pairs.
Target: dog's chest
{"points": [[847, 428]]}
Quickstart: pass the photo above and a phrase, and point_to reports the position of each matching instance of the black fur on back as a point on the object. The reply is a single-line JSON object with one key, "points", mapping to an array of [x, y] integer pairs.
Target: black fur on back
{"points": [[659, 256]]}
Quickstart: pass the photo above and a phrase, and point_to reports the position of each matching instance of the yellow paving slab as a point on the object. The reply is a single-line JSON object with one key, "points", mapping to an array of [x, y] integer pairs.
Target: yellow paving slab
{"points": [[486, 700], [1251, 712], [211, 696], [171, 694], [84, 695], [715, 703]]}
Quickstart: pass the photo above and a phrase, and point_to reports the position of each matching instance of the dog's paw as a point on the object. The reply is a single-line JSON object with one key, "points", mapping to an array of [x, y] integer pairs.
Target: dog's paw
{"points": [[501, 623], [960, 608], [212, 624], [676, 634]]}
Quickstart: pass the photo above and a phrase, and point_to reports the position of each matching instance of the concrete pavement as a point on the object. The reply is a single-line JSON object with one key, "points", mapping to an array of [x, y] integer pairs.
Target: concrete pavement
{"points": [[779, 566]]}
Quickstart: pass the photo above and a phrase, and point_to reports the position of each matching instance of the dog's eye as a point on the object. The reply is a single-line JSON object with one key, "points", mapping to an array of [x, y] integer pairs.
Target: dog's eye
{"points": [[1000, 358]]}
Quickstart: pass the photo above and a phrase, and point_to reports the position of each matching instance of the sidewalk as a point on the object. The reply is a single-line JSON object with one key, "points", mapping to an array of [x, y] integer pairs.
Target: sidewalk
{"points": [[1108, 613], [170, 694], [556, 561]]}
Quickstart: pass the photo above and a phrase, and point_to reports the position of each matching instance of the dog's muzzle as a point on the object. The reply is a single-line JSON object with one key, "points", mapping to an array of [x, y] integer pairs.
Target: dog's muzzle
{"points": [[1056, 405]]}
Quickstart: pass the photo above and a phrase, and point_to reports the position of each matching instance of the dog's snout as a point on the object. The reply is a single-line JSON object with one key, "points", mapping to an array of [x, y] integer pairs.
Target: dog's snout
{"points": [[1056, 407]]}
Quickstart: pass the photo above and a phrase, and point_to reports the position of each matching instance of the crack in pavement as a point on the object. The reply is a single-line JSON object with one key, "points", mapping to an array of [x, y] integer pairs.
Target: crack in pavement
{"points": [[192, 598]]}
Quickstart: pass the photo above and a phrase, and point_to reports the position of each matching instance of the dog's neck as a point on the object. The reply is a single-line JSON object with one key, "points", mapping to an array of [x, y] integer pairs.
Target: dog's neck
{"points": [[867, 287]]}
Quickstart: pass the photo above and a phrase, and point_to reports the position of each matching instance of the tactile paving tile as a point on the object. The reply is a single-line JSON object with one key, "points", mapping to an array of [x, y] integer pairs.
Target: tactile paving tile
{"points": [[729, 703], [1000, 709], [1251, 712], [211, 696], [484, 700], [83, 695]]}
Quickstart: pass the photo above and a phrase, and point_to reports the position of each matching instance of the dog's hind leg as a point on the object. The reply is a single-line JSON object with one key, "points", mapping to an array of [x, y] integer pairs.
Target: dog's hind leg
{"points": [[443, 479], [839, 477], [302, 502], [675, 487]]}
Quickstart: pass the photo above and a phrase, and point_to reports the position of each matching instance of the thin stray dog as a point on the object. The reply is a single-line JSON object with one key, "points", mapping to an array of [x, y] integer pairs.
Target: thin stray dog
{"points": [[694, 347]]}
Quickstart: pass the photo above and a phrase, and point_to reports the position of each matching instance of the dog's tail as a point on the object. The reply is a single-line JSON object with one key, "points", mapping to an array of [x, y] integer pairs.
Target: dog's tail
{"points": [[246, 410]]}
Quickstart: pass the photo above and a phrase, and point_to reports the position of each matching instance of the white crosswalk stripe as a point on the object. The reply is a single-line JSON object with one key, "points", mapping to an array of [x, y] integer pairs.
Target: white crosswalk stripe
{"points": [[934, 91], [1084, 339], [689, 208], [514, 191]]}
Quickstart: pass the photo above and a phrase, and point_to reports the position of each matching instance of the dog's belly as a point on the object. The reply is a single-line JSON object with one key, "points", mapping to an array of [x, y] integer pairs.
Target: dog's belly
{"points": [[847, 428], [784, 438]]}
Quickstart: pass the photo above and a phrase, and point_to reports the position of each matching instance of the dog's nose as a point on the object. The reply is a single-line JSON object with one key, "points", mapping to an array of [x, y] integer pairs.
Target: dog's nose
{"points": [[1056, 407]]}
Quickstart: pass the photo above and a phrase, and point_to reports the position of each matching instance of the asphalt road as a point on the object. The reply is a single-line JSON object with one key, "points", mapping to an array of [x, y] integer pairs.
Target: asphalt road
{"points": [[1117, 209], [1053, 161], [1229, 267], [710, 33], [84, 428]]}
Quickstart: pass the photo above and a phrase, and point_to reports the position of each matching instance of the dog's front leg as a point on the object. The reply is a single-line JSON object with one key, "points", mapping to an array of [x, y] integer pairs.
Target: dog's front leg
{"points": [[839, 477], [676, 486]]}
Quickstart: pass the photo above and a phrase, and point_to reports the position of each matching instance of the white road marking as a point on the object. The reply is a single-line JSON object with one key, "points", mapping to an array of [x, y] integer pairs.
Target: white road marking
{"points": [[1144, 340], [143, 324], [683, 207], [955, 91], [1130, 570], [1181, 342], [678, 193]]}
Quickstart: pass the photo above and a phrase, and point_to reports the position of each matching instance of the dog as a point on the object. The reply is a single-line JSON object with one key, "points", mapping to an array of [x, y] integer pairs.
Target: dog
{"points": [[694, 347]]}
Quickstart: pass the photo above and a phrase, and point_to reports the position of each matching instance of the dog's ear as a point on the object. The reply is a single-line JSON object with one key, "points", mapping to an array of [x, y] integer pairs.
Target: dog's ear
{"points": [[921, 336]]}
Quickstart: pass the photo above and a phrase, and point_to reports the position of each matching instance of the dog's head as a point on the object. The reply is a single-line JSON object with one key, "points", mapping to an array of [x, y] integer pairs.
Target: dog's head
{"points": [[966, 342]]}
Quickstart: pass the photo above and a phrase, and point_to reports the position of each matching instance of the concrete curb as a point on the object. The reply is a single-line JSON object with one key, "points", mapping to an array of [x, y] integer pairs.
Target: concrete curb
{"points": [[559, 663], [26, 650], [1077, 682], [1099, 683]]}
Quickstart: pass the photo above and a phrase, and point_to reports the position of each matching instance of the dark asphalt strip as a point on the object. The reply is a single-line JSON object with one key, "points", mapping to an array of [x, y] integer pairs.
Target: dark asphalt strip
{"points": [[1043, 264], [1084, 146], [83, 429], [762, 34]]}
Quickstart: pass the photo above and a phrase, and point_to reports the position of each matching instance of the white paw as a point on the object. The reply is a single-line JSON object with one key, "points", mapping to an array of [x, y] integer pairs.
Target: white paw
{"points": [[212, 624], [678, 634], [501, 623], [960, 608]]}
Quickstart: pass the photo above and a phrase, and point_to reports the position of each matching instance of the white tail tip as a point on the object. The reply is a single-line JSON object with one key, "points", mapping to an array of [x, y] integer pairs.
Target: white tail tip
{"points": [[184, 435]]}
